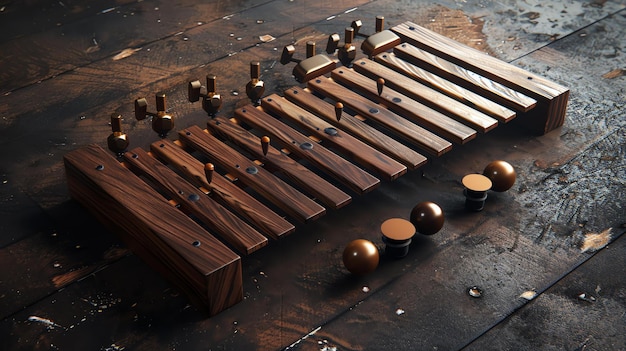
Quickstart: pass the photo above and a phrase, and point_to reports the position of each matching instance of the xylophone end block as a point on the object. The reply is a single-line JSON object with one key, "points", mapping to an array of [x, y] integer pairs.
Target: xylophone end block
{"points": [[313, 67], [380, 42]]}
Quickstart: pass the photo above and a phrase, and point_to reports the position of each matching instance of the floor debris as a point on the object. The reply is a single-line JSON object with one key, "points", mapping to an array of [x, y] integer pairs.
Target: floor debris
{"points": [[596, 241], [47, 322], [125, 53], [475, 291], [528, 295]]}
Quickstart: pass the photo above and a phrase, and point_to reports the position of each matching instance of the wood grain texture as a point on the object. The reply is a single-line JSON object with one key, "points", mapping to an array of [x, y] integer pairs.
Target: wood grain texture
{"points": [[426, 140], [220, 188], [296, 285], [350, 146], [480, 84], [145, 220], [553, 96], [429, 97], [342, 170], [312, 183], [265, 183], [502, 113], [479, 62], [229, 227], [419, 113], [357, 127]]}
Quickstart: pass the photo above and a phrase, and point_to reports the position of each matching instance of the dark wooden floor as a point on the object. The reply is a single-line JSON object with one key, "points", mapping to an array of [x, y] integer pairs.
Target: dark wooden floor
{"points": [[65, 66]]}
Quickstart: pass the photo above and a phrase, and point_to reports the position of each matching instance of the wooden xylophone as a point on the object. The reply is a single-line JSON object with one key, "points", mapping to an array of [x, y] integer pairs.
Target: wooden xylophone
{"points": [[436, 94]]}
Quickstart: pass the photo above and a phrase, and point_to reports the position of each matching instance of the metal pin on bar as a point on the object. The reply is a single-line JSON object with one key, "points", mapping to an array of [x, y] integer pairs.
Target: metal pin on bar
{"points": [[380, 83], [338, 110], [265, 143], [209, 169], [255, 87]]}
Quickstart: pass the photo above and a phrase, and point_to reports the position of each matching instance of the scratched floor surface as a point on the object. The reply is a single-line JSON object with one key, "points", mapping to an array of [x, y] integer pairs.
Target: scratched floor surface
{"points": [[68, 284]]}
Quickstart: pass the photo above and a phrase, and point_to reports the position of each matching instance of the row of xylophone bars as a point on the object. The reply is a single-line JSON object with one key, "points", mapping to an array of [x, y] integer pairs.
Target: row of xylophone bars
{"points": [[423, 93]]}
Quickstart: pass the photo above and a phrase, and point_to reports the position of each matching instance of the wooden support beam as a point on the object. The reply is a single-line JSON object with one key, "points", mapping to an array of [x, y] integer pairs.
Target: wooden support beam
{"points": [[207, 271]]}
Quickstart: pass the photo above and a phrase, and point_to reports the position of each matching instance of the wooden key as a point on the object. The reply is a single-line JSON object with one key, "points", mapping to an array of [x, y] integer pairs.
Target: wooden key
{"points": [[415, 134], [407, 69], [229, 227], [265, 183], [350, 175], [372, 136], [552, 97], [364, 154], [223, 190], [207, 271], [433, 99], [409, 108], [459, 75], [310, 182]]}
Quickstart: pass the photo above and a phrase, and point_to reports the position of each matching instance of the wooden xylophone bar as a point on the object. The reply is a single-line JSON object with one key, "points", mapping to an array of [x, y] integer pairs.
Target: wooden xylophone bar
{"points": [[437, 95]]}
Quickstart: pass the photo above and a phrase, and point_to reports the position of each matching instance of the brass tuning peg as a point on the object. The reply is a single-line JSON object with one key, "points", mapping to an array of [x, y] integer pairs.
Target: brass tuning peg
{"points": [[381, 41], [209, 169], [118, 140], [265, 143], [255, 87], [211, 101], [380, 83], [162, 122], [311, 67], [333, 43], [356, 25], [347, 52]]}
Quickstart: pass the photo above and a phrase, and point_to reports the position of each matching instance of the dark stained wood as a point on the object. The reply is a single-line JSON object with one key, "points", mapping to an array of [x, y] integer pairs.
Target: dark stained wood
{"points": [[350, 175], [264, 219], [210, 273], [296, 290], [327, 193], [553, 96], [428, 141], [357, 127], [429, 97], [503, 114], [265, 183], [407, 107], [229, 227], [355, 149]]}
